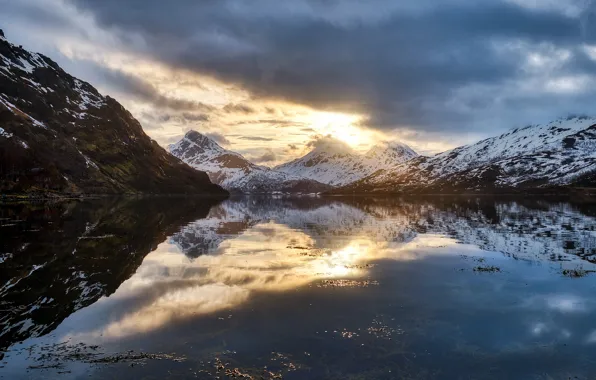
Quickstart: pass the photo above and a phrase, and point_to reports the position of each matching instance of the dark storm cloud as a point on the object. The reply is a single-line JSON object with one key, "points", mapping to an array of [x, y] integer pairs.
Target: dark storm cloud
{"points": [[398, 68], [399, 63], [142, 90]]}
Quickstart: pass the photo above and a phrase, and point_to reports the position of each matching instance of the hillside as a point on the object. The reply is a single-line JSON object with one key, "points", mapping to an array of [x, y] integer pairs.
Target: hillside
{"points": [[59, 135], [558, 154]]}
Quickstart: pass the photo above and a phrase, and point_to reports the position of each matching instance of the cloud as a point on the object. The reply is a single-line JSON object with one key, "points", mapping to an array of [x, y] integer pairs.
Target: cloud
{"points": [[268, 156], [218, 137], [140, 89], [238, 108], [397, 64], [255, 138], [453, 67], [274, 122], [328, 143], [194, 117]]}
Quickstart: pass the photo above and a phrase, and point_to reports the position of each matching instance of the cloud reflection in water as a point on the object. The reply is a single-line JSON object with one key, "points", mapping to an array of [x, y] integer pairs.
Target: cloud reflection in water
{"points": [[267, 257], [246, 247]]}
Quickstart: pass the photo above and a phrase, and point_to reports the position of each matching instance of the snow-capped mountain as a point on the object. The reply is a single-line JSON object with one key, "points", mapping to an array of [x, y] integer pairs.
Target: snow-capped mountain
{"points": [[335, 163], [58, 134], [560, 153], [234, 172]]}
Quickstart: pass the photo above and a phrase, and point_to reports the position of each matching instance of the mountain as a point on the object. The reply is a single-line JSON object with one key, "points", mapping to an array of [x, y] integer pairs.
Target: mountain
{"points": [[58, 134], [335, 163], [558, 154], [234, 172]]}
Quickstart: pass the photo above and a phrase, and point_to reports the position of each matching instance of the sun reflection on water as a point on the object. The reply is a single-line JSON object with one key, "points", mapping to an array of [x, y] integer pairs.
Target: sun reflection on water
{"points": [[269, 257]]}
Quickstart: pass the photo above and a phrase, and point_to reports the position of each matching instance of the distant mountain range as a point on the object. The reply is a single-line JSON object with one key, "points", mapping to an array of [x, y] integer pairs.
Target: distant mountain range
{"points": [[331, 163], [59, 135], [559, 154], [234, 172], [540, 158]]}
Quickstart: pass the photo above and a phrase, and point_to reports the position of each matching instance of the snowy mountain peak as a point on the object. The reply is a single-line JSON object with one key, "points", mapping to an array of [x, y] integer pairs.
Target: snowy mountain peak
{"points": [[335, 163], [203, 153], [391, 149], [234, 172], [202, 142]]}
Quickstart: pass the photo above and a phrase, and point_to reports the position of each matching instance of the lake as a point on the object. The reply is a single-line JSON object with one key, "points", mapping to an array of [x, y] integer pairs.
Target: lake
{"points": [[298, 288]]}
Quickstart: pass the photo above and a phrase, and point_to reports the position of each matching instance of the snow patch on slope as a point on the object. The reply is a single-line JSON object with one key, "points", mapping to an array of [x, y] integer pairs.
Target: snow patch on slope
{"points": [[11, 107], [5, 134]]}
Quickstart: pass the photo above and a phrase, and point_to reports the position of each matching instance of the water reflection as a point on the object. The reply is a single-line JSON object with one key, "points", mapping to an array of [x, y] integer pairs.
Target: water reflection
{"points": [[253, 244], [59, 258], [123, 271], [523, 229]]}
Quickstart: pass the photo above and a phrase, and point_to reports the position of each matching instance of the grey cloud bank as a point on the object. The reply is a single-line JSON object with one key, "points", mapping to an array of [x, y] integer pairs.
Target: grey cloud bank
{"points": [[457, 66]]}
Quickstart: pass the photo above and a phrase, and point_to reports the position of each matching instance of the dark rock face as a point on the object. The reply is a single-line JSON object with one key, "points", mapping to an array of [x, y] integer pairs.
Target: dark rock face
{"points": [[59, 134]]}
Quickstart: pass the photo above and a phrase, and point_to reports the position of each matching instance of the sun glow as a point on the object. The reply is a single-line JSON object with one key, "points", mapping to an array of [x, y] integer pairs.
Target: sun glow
{"points": [[202, 101], [342, 126]]}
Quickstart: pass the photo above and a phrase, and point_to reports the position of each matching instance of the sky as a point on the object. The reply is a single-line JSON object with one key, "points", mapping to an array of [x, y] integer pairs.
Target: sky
{"points": [[268, 78]]}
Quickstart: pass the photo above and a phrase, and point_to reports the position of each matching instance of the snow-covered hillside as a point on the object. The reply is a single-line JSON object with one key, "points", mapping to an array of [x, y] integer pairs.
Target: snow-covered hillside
{"points": [[559, 153], [234, 172], [335, 163]]}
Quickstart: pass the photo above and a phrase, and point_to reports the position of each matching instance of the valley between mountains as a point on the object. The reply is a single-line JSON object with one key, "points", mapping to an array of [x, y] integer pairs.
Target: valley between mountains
{"points": [[60, 136]]}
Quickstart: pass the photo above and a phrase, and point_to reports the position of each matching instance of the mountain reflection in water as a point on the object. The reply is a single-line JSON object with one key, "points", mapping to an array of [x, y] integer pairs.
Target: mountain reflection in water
{"points": [[122, 273]]}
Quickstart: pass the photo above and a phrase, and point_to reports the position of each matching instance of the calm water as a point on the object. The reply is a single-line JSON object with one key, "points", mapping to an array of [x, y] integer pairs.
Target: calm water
{"points": [[303, 288]]}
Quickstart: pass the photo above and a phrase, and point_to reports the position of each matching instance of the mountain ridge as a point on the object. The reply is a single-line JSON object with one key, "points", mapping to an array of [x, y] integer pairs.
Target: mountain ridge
{"points": [[561, 153]]}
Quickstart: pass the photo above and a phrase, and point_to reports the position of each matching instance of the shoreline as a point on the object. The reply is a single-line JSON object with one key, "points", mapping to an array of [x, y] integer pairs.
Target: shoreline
{"points": [[16, 198], [564, 193]]}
